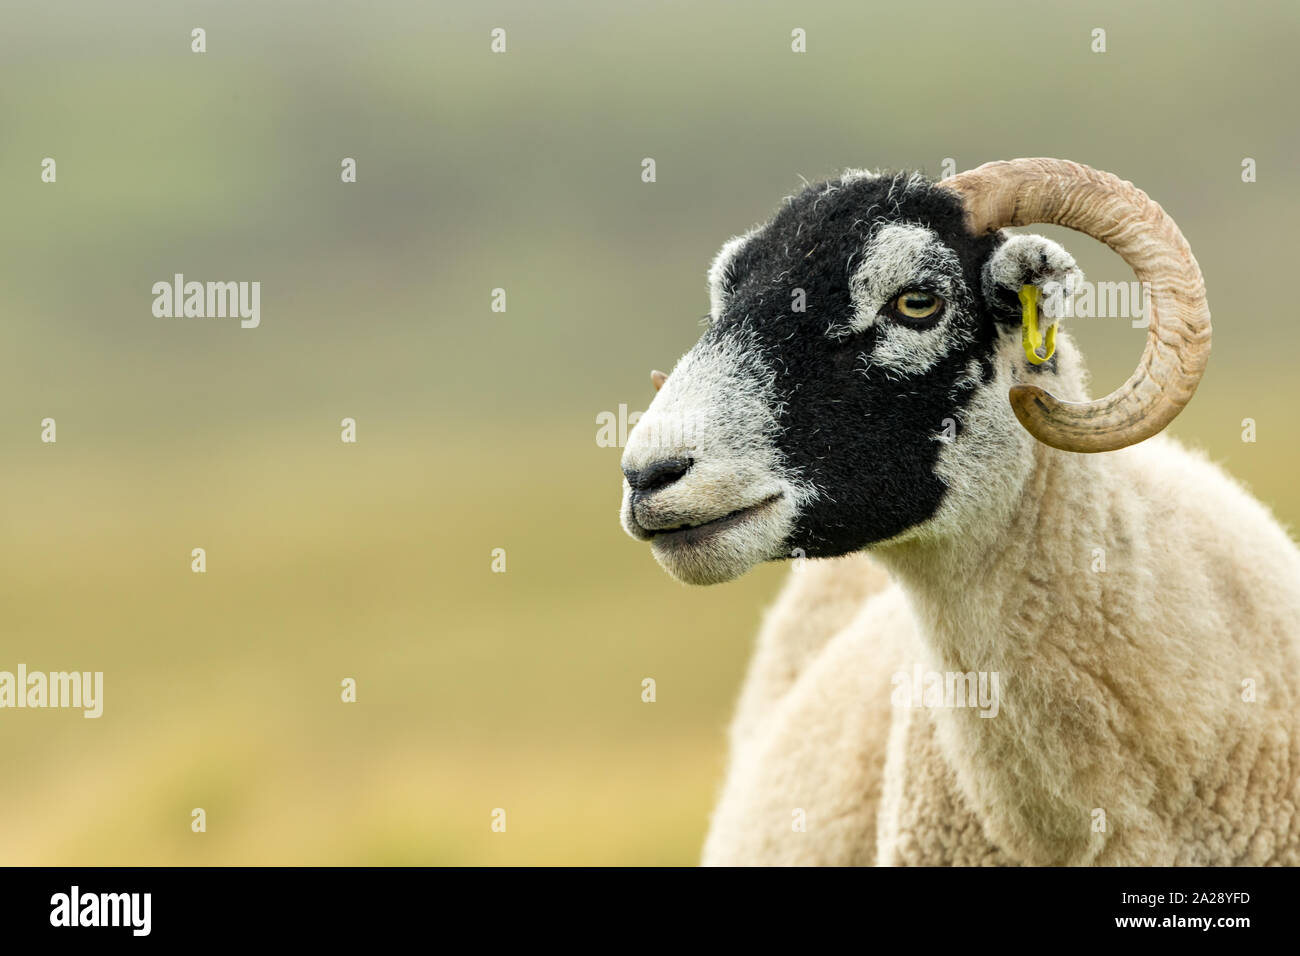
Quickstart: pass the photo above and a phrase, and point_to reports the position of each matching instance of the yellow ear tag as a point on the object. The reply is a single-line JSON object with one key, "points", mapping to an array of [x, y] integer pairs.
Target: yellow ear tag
{"points": [[1031, 337]]}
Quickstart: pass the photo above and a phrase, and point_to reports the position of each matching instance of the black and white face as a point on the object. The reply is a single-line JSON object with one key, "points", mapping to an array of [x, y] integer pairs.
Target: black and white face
{"points": [[849, 338]]}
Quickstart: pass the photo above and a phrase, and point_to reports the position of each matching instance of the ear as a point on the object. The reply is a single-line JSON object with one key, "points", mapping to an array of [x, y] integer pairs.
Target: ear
{"points": [[1029, 260]]}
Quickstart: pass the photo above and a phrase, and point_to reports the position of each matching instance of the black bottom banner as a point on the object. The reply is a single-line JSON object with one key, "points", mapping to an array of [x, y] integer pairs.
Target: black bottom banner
{"points": [[958, 906]]}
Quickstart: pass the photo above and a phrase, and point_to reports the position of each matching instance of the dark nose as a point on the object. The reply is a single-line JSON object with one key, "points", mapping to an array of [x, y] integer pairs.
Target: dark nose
{"points": [[657, 474]]}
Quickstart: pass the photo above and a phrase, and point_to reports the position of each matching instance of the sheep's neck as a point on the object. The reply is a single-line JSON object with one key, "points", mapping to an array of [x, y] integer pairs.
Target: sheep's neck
{"points": [[995, 599], [1046, 544]]}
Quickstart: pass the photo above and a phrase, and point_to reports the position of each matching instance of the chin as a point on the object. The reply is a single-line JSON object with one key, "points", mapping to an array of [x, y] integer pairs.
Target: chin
{"points": [[701, 566], [726, 548]]}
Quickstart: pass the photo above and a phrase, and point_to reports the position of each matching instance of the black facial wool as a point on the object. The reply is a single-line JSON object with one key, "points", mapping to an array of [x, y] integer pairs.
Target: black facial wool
{"points": [[865, 434]]}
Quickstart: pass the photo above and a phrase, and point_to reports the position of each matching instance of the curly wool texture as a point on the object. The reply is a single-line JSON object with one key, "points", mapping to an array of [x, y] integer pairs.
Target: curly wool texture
{"points": [[1124, 696]]}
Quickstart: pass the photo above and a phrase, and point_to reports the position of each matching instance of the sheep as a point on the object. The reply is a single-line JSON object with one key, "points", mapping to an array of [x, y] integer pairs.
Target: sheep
{"points": [[1140, 609]]}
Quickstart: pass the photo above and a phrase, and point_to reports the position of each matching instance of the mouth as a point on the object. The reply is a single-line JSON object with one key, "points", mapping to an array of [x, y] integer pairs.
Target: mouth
{"points": [[696, 534]]}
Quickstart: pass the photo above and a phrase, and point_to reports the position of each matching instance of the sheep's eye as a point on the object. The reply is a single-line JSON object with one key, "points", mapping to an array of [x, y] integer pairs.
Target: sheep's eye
{"points": [[915, 306]]}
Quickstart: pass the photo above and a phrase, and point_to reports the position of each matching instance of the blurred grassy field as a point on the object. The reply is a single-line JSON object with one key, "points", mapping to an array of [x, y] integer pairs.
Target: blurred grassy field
{"points": [[475, 690], [477, 429]]}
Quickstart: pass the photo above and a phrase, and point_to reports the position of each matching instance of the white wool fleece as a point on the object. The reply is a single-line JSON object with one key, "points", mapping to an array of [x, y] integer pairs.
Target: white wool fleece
{"points": [[1142, 613]]}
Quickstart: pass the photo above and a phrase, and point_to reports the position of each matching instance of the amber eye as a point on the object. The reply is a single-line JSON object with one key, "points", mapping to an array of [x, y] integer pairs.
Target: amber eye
{"points": [[917, 306]]}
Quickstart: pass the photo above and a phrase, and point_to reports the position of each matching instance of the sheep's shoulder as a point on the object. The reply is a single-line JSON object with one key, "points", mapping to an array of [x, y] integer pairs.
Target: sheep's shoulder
{"points": [[819, 599], [804, 782]]}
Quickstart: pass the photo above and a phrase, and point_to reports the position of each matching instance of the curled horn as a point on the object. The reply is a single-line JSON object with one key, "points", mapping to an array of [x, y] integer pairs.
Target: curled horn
{"points": [[1021, 192], [657, 379]]}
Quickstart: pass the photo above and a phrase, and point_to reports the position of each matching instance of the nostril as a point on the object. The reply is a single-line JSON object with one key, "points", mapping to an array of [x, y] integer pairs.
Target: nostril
{"points": [[657, 474]]}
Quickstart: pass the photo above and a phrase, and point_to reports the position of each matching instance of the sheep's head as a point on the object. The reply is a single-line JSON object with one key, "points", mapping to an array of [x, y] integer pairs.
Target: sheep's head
{"points": [[853, 377]]}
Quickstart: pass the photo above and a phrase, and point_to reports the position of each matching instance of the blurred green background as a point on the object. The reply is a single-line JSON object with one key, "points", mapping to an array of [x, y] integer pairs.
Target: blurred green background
{"points": [[477, 430]]}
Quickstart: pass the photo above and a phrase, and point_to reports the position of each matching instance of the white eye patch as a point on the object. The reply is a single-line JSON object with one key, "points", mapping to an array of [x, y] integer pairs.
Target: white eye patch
{"points": [[896, 259]]}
